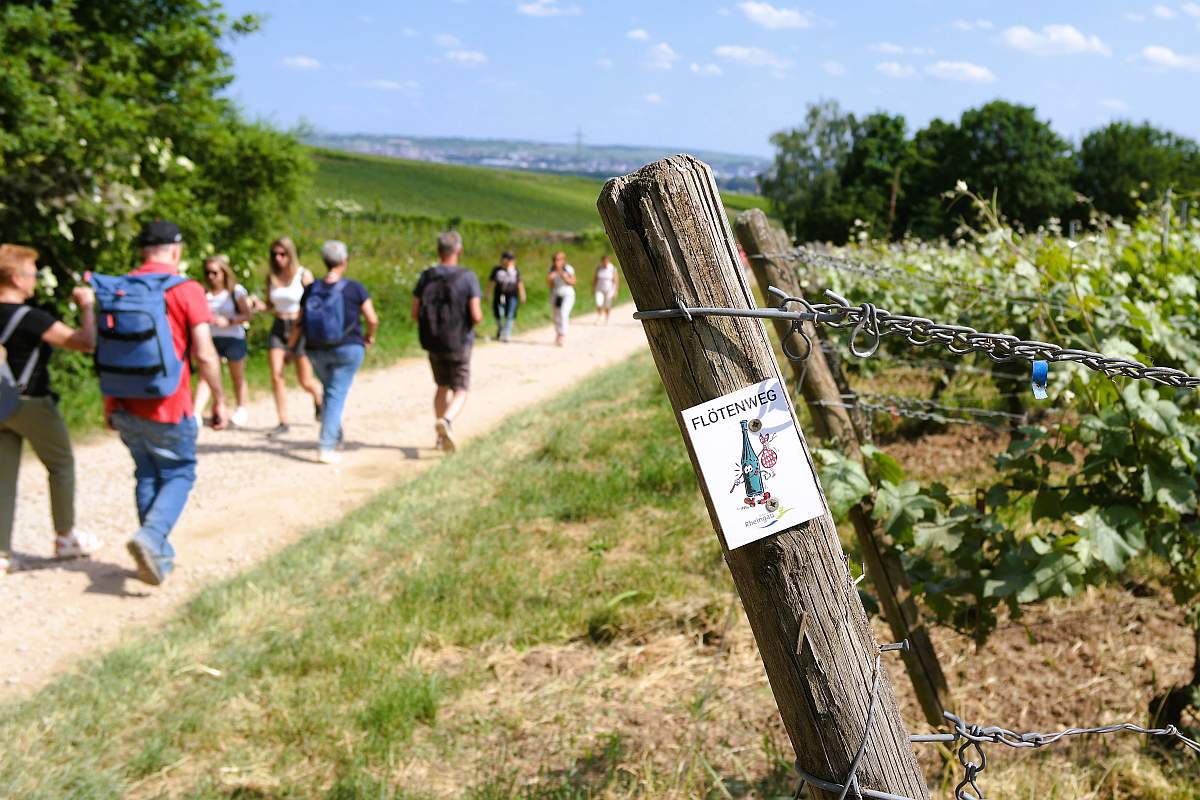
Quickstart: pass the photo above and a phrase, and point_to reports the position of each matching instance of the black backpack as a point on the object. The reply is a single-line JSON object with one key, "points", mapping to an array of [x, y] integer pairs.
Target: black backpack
{"points": [[442, 316]]}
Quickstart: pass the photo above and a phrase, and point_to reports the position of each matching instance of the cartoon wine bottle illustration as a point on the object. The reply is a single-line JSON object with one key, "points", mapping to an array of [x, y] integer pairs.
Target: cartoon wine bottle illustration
{"points": [[751, 477]]}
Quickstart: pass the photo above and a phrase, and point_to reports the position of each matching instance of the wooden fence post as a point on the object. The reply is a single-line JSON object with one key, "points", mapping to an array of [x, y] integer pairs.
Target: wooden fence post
{"points": [[669, 230], [767, 248]]}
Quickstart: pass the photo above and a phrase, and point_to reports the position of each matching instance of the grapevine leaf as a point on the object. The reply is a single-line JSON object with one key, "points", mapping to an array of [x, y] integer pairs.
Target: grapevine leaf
{"points": [[845, 484], [1113, 535]]}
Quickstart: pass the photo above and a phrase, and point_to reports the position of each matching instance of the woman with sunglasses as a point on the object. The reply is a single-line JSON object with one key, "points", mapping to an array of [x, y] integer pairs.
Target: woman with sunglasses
{"points": [[229, 303], [285, 286]]}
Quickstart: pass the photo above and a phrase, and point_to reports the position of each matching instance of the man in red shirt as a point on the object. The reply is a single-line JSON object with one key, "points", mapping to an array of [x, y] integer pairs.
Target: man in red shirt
{"points": [[161, 432]]}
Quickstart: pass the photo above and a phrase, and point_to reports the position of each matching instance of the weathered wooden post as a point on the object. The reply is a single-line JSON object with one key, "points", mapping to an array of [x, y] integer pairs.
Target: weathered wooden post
{"points": [[767, 248], [669, 230]]}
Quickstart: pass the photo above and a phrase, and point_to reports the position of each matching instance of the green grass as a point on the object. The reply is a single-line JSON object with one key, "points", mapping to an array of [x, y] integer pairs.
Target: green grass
{"points": [[535, 200]]}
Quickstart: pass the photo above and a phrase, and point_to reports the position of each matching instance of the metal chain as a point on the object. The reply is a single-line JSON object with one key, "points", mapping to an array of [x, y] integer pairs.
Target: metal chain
{"points": [[909, 413], [876, 323], [917, 402]]}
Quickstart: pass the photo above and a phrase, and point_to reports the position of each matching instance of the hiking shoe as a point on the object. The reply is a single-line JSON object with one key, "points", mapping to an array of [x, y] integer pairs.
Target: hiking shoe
{"points": [[279, 430], [239, 417], [76, 544], [9, 564], [148, 570], [328, 457], [445, 434]]}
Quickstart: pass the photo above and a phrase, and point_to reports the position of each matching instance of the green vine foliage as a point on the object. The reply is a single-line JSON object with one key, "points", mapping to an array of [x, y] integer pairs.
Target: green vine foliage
{"points": [[1105, 475]]}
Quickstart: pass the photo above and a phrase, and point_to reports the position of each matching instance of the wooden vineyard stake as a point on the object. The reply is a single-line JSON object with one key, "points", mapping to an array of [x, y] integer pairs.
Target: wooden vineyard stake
{"points": [[669, 230], [767, 248]]}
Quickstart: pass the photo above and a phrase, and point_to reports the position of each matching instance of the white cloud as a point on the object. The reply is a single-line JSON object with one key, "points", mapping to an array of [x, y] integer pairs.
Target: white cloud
{"points": [[707, 70], [638, 34], [1191, 9], [604, 62], [1163, 12], [891, 49], [1167, 58], [768, 16], [404, 87], [750, 56], [546, 8], [833, 68], [469, 58], [661, 56], [301, 62], [1054, 40], [653, 98], [960, 71], [1113, 104], [971, 24], [447, 41], [894, 69]]}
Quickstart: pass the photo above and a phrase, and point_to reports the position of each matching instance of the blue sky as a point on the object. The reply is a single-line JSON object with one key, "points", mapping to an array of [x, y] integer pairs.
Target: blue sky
{"points": [[717, 75]]}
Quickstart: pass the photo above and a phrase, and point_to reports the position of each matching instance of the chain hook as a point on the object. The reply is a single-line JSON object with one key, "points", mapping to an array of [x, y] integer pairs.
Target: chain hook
{"points": [[868, 321]]}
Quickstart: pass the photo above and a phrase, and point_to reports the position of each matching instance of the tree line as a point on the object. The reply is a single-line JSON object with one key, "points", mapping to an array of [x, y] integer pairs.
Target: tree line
{"points": [[837, 170]]}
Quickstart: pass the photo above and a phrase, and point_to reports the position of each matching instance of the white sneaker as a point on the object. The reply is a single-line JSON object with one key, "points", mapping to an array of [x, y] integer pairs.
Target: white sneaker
{"points": [[76, 544], [9, 564], [328, 457], [240, 417], [446, 435]]}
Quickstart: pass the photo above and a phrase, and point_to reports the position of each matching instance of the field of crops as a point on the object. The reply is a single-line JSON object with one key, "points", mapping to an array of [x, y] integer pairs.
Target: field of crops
{"points": [[537, 201]]}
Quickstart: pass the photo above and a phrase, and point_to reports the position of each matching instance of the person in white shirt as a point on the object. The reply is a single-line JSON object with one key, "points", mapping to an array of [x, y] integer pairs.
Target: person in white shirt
{"points": [[561, 281], [605, 285], [229, 303], [285, 286]]}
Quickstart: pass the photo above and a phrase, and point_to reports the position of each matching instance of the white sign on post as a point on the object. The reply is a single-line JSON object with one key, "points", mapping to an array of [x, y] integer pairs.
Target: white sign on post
{"points": [[753, 463]]}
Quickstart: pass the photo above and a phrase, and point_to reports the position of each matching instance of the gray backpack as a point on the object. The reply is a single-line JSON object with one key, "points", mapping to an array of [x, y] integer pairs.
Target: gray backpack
{"points": [[11, 388]]}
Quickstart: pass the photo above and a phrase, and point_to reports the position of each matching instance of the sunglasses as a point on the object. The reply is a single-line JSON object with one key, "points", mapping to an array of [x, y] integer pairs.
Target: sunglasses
{"points": [[280, 254], [211, 272]]}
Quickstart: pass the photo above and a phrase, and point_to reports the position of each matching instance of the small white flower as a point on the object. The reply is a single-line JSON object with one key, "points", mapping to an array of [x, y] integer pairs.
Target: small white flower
{"points": [[960, 186]]}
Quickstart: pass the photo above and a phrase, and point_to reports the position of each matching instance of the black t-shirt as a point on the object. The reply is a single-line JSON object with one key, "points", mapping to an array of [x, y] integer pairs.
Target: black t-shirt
{"points": [[463, 286], [354, 294], [24, 341], [506, 282]]}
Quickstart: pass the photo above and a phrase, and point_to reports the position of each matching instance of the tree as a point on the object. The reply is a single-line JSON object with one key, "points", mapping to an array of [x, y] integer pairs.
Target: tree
{"points": [[873, 171], [1122, 164], [112, 113], [803, 183]]}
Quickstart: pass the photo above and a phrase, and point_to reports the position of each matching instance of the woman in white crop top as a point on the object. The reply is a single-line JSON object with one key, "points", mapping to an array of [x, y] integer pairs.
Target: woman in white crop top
{"points": [[285, 285]]}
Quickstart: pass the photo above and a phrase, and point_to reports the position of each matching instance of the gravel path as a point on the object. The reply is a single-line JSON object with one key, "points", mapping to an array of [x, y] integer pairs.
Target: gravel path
{"points": [[248, 501]]}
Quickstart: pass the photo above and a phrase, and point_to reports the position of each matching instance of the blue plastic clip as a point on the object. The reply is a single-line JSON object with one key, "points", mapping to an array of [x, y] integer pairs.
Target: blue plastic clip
{"points": [[1041, 370]]}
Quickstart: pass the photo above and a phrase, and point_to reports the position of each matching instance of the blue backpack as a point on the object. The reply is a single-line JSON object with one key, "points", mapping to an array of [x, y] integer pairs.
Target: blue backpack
{"points": [[325, 314], [135, 349]]}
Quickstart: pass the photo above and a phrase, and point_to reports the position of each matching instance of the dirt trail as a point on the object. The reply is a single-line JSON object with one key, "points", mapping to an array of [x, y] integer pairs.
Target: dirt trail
{"points": [[253, 496]]}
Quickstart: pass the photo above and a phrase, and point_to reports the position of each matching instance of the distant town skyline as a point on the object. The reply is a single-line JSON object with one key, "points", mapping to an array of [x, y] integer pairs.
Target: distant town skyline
{"points": [[723, 76]]}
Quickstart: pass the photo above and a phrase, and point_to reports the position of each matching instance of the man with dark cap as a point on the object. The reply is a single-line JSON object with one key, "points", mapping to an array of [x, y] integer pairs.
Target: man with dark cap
{"points": [[160, 431]]}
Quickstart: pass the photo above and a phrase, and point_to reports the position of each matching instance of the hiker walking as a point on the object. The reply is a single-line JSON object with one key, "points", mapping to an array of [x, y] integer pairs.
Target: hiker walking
{"points": [[605, 284], [286, 281], [28, 409], [229, 303], [508, 291], [561, 280], [147, 322], [447, 307], [330, 312]]}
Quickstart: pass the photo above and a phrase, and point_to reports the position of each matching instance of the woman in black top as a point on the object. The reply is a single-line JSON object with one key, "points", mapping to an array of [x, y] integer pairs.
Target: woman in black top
{"points": [[29, 333], [508, 291]]}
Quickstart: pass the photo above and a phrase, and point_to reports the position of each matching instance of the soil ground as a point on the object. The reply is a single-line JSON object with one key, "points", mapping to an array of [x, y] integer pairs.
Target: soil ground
{"points": [[254, 496]]}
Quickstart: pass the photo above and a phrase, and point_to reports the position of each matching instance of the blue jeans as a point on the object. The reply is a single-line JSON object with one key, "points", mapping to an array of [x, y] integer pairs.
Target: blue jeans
{"points": [[335, 369], [164, 467], [504, 308]]}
